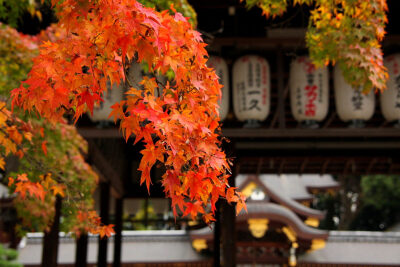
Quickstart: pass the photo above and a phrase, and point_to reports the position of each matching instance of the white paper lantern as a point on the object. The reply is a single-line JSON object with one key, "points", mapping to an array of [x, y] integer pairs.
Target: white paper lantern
{"points": [[309, 90], [390, 98], [352, 104], [101, 112], [221, 69], [251, 88]]}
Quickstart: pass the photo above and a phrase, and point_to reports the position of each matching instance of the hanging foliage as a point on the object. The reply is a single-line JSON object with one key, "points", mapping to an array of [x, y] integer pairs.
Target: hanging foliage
{"points": [[180, 128], [50, 156], [347, 32]]}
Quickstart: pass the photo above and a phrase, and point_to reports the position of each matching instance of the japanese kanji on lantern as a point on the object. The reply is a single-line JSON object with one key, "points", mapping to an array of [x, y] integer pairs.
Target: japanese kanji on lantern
{"points": [[309, 91], [102, 111], [251, 89], [221, 69], [390, 98], [351, 104]]}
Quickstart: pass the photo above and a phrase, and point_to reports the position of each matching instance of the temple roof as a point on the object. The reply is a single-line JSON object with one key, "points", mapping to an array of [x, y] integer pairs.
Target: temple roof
{"points": [[279, 213], [314, 181], [293, 185], [273, 212], [273, 187]]}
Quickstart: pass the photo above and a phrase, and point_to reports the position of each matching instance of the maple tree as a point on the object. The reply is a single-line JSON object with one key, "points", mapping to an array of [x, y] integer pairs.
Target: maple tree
{"points": [[181, 6], [50, 161], [347, 32], [180, 128], [178, 121]]}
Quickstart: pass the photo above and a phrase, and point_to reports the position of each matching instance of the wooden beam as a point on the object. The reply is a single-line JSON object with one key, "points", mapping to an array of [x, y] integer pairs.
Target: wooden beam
{"points": [[104, 215], [119, 202], [390, 169], [371, 164], [325, 166], [90, 133], [303, 165], [384, 123], [228, 231], [281, 89], [217, 235], [50, 240], [268, 43], [332, 145], [310, 133], [347, 166], [329, 120], [93, 132], [262, 42], [81, 251], [277, 112], [281, 166], [259, 166]]}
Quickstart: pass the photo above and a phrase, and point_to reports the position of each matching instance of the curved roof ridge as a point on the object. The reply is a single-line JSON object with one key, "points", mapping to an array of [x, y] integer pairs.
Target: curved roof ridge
{"points": [[272, 189], [276, 212]]}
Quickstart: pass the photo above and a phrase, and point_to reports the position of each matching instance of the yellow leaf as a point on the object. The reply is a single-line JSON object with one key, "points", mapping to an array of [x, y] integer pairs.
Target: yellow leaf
{"points": [[2, 163], [58, 189]]}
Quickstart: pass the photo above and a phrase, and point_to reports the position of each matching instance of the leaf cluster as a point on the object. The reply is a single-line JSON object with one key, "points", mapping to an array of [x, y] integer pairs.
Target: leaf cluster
{"points": [[179, 126], [181, 6], [8, 257], [347, 32], [51, 158]]}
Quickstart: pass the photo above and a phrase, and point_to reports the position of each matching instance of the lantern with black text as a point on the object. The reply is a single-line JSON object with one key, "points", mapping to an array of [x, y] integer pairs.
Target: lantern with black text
{"points": [[221, 69], [352, 104], [251, 89], [390, 98], [110, 97], [309, 91]]}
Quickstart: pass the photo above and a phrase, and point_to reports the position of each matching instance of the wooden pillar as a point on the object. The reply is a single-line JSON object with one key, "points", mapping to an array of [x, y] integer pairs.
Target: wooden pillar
{"points": [[281, 89], [217, 235], [104, 214], [118, 231], [228, 220], [50, 240], [81, 251]]}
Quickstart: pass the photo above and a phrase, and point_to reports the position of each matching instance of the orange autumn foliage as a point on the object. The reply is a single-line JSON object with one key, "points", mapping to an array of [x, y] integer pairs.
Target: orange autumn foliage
{"points": [[179, 126], [44, 151]]}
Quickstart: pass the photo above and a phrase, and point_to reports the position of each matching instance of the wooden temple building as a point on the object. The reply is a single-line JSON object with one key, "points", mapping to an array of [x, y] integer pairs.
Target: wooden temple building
{"points": [[287, 143], [279, 229]]}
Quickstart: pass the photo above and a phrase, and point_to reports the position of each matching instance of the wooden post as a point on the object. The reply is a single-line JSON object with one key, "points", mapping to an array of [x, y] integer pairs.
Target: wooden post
{"points": [[217, 235], [104, 212], [228, 230], [81, 251], [50, 240], [119, 204], [281, 90]]}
